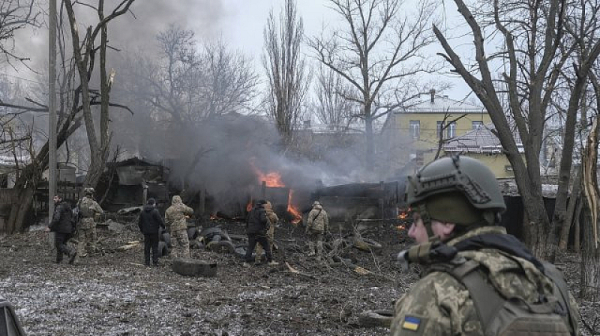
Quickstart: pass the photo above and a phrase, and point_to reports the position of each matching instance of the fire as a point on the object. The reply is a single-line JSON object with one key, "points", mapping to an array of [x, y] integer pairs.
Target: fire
{"points": [[271, 179], [404, 213], [400, 227], [293, 210]]}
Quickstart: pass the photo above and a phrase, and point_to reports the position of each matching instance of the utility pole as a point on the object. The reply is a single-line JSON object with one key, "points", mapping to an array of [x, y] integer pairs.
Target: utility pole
{"points": [[52, 109]]}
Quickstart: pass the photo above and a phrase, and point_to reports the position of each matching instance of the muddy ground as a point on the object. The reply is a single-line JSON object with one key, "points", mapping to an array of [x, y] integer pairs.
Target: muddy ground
{"points": [[113, 293]]}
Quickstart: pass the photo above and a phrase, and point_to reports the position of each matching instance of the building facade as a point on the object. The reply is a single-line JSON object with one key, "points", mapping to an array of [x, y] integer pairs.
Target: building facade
{"points": [[438, 126]]}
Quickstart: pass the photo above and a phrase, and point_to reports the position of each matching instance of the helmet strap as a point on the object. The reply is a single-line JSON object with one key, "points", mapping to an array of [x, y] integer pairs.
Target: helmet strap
{"points": [[426, 219]]}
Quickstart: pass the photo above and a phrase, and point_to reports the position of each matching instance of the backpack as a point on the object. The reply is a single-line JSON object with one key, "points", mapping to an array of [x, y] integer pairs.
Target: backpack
{"points": [[501, 316]]}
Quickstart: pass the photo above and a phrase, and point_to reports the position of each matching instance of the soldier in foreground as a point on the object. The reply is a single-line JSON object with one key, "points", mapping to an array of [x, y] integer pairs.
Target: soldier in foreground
{"points": [[86, 231], [477, 280], [176, 220], [316, 228], [63, 229]]}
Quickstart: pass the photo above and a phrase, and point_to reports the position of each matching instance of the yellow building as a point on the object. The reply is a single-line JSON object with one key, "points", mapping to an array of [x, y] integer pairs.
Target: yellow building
{"points": [[413, 136]]}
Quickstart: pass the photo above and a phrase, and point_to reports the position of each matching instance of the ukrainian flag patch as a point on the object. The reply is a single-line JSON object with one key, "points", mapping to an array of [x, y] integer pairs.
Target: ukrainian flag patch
{"points": [[411, 323]]}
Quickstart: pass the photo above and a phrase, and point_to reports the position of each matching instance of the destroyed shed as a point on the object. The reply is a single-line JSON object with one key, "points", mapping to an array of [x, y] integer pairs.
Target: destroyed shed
{"points": [[353, 202], [131, 182]]}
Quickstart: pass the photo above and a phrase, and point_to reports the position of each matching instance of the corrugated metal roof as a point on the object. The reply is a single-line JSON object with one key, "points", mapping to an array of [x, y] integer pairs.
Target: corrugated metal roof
{"points": [[480, 140]]}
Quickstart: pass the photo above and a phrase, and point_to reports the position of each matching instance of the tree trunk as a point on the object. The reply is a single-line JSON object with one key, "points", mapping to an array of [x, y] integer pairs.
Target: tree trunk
{"points": [[20, 209], [577, 239], [94, 171], [590, 256], [590, 261], [370, 147], [571, 210], [536, 225]]}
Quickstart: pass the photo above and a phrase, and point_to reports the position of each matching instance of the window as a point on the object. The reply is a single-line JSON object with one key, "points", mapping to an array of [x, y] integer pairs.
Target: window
{"points": [[451, 130], [475, 125], [440, 129], [415, 129]]}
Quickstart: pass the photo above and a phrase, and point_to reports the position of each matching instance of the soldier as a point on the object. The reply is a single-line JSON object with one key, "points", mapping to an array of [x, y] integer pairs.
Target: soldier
{"points": [[257, 225], [63, 229], [477, 280], [86, 229], [176, 220], [317, 226], [273, 219], [150, 222]]}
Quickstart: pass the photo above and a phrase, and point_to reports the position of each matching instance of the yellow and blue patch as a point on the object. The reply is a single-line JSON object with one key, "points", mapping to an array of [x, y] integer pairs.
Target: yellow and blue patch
{"points": [[411, 323]]}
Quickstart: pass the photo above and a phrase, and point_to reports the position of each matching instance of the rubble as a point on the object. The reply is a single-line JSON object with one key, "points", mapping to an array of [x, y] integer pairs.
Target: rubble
{"points": [[113, 293]]}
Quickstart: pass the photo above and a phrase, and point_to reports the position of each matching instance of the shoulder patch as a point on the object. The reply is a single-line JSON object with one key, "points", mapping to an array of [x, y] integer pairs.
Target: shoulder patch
{"points": [[411, 323]]}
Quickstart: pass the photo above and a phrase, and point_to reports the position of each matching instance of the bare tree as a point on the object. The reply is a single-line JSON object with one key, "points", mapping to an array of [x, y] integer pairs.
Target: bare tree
{"points": [[84, 53], [15, 15], [330, 105], [590, 260], [188, 86], [378, 54], [534, 51], [176, 87], [285, 67], [230, 83]]}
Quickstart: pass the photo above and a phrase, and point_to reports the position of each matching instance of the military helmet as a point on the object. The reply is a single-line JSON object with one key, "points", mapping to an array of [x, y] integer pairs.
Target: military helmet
{"points": [[457, 188], [88, 191]]}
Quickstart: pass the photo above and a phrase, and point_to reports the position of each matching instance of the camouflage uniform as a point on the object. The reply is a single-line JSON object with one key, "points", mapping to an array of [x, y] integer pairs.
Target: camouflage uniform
{"points": [[273, 219], [477, 280], [176, 222], [443, 306], [317, 226], [86, 228]]}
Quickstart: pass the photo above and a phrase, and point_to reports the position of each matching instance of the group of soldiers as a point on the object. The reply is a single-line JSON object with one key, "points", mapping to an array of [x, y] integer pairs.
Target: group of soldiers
{"points": [[65, 226], [476, 279], [260, 228]]}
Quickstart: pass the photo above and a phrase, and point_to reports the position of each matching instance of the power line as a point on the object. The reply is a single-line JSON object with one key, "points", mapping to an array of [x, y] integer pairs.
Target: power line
{"points": [[24, 79]]}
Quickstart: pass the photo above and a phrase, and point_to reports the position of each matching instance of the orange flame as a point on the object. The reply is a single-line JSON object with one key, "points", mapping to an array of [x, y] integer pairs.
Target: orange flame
{"points": [[400, 227], [271, 179], [404, 213], [293, 210]]}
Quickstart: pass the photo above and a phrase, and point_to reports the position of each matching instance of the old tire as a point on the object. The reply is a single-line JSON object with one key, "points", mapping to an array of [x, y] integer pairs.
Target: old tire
{"points": [[209, 232], [222, 246], [376, 318], [194, 267], [192, 233], [225, 235]]}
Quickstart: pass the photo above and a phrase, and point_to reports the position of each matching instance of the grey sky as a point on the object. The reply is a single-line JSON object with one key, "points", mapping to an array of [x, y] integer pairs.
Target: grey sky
{"points": [[239, 22]]}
